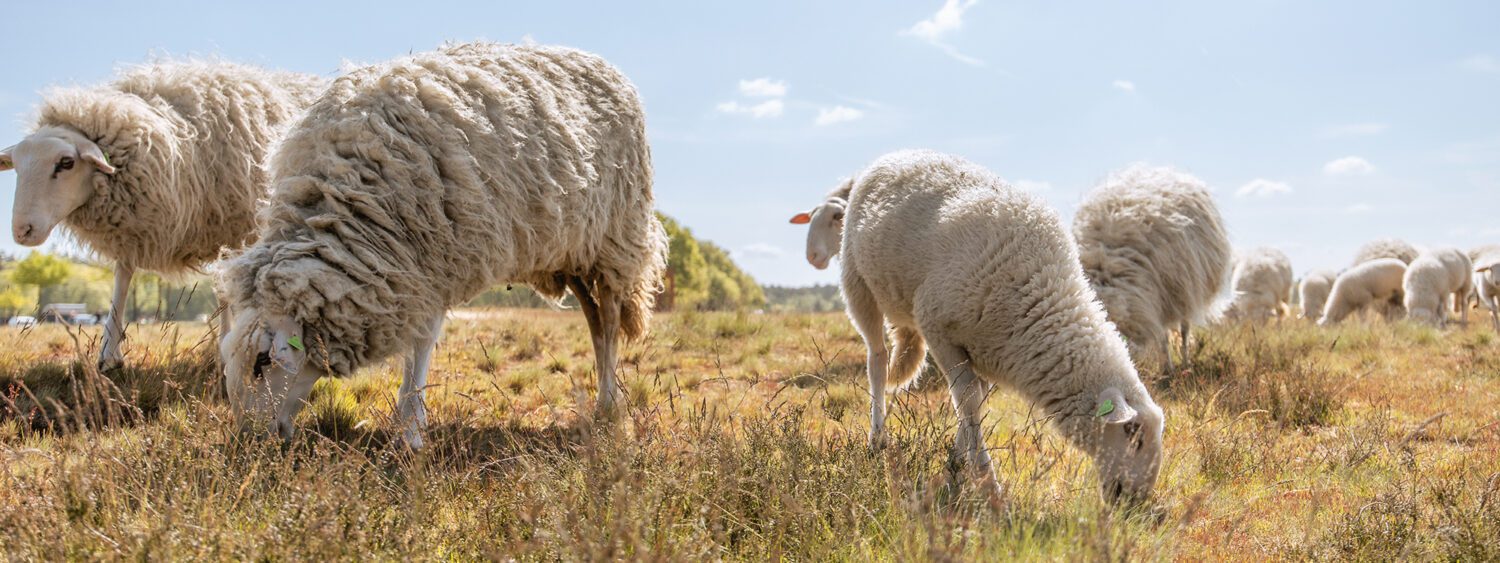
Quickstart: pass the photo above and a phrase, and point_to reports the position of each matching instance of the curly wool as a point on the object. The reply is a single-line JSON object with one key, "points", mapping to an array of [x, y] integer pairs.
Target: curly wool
{"points": [[1262, 284], [412, 185], [188, 140], [1431, 279], [1312, 292], [1153, 245], [1386, 248]]}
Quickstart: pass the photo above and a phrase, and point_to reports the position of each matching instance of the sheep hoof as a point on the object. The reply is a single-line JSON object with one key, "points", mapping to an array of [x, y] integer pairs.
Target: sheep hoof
{"points": [[878, 441], [107, 365]]}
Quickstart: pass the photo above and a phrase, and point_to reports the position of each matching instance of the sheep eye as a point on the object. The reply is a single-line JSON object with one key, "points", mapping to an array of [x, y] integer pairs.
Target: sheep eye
{"points": [[64, 163], [262, 360], [838, 216]]}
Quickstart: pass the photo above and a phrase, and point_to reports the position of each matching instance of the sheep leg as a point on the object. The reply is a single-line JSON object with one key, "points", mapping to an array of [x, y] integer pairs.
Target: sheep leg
{"points": [[1494, 307], [114, 329], [968, 394], [1185, 343], [602, 310], [870, 323], [411, 407], [1166, 353]]}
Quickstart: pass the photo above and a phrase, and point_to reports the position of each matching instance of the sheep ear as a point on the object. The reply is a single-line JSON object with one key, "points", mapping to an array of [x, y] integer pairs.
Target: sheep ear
{"points": [[801, 218], [1112, 407], [92, 153], [5, 161], [287, 349]]}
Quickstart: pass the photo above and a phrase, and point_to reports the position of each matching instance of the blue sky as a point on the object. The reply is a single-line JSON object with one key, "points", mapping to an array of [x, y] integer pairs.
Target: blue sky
{"points": [[1319, 124]]}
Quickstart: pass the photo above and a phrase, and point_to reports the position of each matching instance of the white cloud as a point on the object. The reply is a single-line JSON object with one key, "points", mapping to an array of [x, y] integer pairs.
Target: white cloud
{"points": [[761, 250], [1348, 166], [1480, 63], [948, 18], [1261, 187], [1359, 208], [837, 114], [763, 88], [768, 108], [1123, 85], [1033, 186], [1356, 130]]}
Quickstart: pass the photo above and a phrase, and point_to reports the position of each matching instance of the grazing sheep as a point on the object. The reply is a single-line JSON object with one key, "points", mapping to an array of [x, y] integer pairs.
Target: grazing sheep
{"points": [[1386, 248], [1486, 276], [1313, 292], [825, 225], [412, 186], [1154, 247], [1377, 283], [158, 170], [1431, 280], [988, 277], [1262, 283]]}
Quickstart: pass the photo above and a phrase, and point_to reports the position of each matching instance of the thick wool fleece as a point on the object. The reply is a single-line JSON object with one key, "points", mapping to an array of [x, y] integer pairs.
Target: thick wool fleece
{"points": [[411, 186], [188, 141], [1262, 284], [1312, 292], [1386, 248], [1377, 282], [1431, 279]]}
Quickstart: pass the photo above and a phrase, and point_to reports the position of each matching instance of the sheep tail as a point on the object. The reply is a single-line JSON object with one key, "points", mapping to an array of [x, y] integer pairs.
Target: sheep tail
{"points": [[907, 354]]}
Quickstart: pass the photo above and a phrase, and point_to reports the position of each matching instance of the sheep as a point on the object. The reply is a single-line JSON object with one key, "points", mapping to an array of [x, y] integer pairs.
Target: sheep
{"points": [[1386, 248], [1486, 260], [1375, 282], [1154, 247], [1429, 282], [825, 225], [411, 186], [1262, 284], [1313, 292], [989, 279], [157, 170]]}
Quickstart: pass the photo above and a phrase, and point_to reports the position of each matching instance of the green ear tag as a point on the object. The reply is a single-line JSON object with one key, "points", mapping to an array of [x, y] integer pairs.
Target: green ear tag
{"points": [[296, 342], [1105, 407]]}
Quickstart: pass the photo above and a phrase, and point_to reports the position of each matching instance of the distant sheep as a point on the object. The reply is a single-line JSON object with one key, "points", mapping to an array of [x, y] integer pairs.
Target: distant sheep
{"points": [[941, 250], [1262, 285], [1313, 291], [1435, 277], [1154, 247], [1486, 277], [1375, 283], [412, 186], [1386, 248], [158, 170]]}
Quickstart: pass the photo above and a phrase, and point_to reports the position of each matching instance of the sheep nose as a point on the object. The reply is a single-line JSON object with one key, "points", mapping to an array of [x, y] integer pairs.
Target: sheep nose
{"points": [[23, 232]]}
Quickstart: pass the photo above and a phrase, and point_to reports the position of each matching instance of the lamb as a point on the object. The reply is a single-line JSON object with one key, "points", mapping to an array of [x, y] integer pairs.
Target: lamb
{"points": [[158, 170], [1262, 283], [1376, 282], [1431, 280], [1313, 292], [1486, 276], [988, 278], [411, 186], [1386, 248], [1154, 247]]}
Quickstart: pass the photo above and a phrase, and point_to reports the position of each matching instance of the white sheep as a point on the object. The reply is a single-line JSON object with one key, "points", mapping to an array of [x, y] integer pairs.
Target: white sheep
{"points": [[1313, 292], [988, 277], [1262, 285], [1435, 277], [1373, 283], [411, 186], [1386, 248], [825, 225], [1154, 247], [158, 170], [1486, 276]]}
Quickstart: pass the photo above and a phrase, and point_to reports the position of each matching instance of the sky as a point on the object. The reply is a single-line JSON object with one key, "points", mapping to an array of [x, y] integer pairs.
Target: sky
{"points": [[1319, 125]]}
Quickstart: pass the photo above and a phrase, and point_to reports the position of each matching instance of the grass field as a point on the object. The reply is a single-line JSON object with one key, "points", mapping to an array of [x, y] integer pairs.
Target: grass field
{"points": [[745, 440]]}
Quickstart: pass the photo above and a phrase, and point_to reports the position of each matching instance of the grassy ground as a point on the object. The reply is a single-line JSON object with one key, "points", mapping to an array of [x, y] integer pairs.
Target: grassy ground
{"points": [[746, 440]]}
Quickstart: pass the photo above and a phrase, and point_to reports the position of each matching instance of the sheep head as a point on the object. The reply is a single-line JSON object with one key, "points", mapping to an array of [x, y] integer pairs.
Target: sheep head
{"points": [[1123, 433], [825, 230], [57, 170], [266, 373]]}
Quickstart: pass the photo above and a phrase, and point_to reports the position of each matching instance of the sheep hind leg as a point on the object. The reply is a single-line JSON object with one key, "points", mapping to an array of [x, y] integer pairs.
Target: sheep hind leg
{"points": [[114, 328], [1185, 331], [870, 322], [968, 393], [601, 307], [411, 406], [1494, 307]]}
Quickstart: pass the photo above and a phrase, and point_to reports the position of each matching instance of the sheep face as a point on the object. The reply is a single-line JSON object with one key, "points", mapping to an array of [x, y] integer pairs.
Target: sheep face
{"points": [[265, 371], [825, 231], [1123, 433], [58, 171]]}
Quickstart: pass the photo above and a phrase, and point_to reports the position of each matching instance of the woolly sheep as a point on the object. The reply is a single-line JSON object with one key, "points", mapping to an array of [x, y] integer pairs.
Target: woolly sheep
{"points": [[158, 170], [411, 186], [1262, 285], [944, 251], [1386, 248], [1313, 292], [1377, 283], [1431, 280], [1486, 276], [1154, 247]]}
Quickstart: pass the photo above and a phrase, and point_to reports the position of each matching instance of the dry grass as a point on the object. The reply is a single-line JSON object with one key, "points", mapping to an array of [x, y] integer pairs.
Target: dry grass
{"points": [[745, 440]]}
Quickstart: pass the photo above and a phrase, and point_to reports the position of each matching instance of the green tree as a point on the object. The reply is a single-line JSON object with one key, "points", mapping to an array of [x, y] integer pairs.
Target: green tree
{"points": [[688, 275], [43, 271]]}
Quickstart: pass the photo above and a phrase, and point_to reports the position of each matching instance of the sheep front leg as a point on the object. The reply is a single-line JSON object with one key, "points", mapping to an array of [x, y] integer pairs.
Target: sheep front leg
{"points": [[114, 328], [601, 308], [870, 323], [1493, 305], [411, 406], [968, 394], [1184, 330]]}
